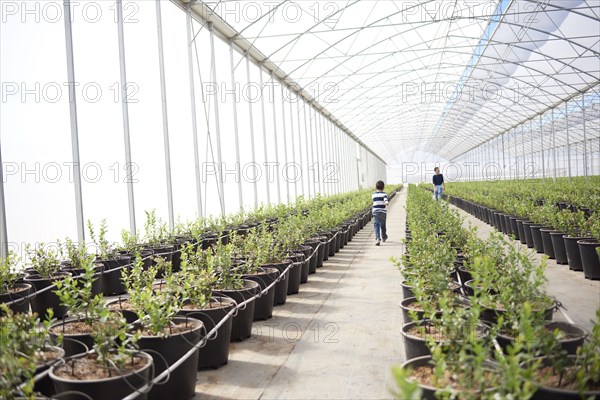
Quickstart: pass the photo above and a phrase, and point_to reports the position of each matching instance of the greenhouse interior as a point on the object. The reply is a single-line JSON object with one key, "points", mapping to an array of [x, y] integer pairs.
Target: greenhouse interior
{"points": [[194, 199]]}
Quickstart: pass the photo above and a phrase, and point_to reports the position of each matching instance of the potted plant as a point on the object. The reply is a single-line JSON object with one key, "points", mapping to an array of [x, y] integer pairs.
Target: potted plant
{"points": [[113, 370], [25, 353], [76, 258], [168, 336], [576, 227], [195, 282], [44, 270], [589, 249], [109, 256], [12, 292], [231, 284]]}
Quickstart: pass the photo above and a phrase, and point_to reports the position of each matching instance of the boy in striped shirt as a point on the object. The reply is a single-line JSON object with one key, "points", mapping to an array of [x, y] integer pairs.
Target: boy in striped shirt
{"points": [[380, 203]]}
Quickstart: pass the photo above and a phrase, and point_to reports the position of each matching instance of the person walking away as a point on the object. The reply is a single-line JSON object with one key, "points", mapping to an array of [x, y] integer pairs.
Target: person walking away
{"points": [[380, 203], [438, 184]]}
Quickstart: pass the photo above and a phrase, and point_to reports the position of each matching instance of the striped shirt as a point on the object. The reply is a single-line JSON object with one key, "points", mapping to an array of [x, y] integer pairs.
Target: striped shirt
{"points": [[380, 200]]}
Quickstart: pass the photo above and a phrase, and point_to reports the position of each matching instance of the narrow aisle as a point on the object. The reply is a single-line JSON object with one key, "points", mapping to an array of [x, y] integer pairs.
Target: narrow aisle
{"points": [[579, 296], [336, 339]]}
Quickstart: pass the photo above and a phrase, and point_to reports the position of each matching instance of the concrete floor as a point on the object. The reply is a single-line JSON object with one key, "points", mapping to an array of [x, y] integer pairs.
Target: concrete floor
{"points": [[336, 339], [579, 296]]}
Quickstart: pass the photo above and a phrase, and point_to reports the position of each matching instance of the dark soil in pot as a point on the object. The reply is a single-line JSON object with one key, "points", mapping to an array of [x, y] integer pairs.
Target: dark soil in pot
{"points": [[17, 297], [241, 325], [90, 378], [549, 389], [76, 335], [215, 352], [490, 315], [589, 258], [571, 336], [121, 304], [263, 308], [182, 380]]}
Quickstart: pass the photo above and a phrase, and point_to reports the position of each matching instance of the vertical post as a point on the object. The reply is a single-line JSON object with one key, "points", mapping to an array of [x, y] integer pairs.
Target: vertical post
{"points": [[125, 114], [3, 224], [532, 159], [542, 149], [306, 142], [553, 148], [300, 144], [275, 139], [190, 40], [264, 129], [238, 165], [568, 140], [74, 125], [252, 145], [217, 120], [585, 160], [293, 147], [315, 165], [317, 144], [504, 160], [285, 146], [516, 156]]}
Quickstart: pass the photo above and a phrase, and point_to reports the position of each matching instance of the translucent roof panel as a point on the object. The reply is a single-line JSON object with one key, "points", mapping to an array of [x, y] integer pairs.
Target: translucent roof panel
{"points": [[430, 75]]}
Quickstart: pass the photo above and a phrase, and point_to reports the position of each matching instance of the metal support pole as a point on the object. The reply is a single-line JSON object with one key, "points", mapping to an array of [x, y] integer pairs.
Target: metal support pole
{"points": [[300, 145], [264, 129], [293, 149], [306, 142], [238, 165], [285, 147], [516, 154], [190, 41], [275, 139], [532, 159], [504, 160], [217, 120], [125, 114], [542, 149], [74, 125], [585, 160], [3, 224], [252, 145], [553, 148], [315, 166], [318, 145]]}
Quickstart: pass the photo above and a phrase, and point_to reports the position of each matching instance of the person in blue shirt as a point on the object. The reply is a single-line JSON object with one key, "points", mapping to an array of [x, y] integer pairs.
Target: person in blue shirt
{"points": [[380, 203], [438, 183]]}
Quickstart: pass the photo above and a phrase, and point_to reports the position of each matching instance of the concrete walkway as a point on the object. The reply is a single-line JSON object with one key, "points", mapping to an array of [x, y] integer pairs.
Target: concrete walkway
{"points": [[579, 296], [337, 339]]}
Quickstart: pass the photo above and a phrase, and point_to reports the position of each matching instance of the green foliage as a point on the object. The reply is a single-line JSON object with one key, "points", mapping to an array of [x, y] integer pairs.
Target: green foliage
{"points": [[43, 259], [407, 389], [104, 249], [8, 276], [156, 231]]}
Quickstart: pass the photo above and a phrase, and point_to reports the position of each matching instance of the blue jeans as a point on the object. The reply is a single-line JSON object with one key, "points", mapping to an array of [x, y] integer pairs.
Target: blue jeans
{"points": [[379, 223], [437, 192]]}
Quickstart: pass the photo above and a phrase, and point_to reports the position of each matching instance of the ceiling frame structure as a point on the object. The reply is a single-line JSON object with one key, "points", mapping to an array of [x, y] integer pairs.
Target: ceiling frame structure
{"points": [[534, 54]]}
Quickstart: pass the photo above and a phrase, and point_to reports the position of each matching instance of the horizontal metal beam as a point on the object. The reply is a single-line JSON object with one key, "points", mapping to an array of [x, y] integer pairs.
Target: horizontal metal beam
{"points": [[205, 16]]}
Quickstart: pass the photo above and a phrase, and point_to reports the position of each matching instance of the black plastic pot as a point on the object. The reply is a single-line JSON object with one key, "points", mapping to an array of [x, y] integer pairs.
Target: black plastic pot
{"points": [[295, 275], [416, 345], [573, 255], [111, 277], [73, 344], [538, 243], [241, 324], [116, 305], [406, 290], [429, 391], [569, 345], [43, 300], [490, 315], [281, 287], [19, 302], [547, 242], [590, 261], [521, 230], [182, 380], [514, 229], [550, 393], [307, 251], [263, 308], [465, 274], [104, 389], [321, 251], [313, 256], [528, 236], [332, 243], [98, 281], [404, 305], [558, 243], [215, 352], [44, 385]]}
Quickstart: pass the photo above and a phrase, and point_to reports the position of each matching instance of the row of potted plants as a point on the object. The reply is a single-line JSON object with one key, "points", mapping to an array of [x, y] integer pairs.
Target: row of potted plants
{"points": [[182, 306], [478, 324], [567, 234]]}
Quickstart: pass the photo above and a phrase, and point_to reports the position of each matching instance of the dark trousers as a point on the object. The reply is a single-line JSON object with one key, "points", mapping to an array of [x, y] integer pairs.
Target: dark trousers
{"points": [[379, 223]]}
